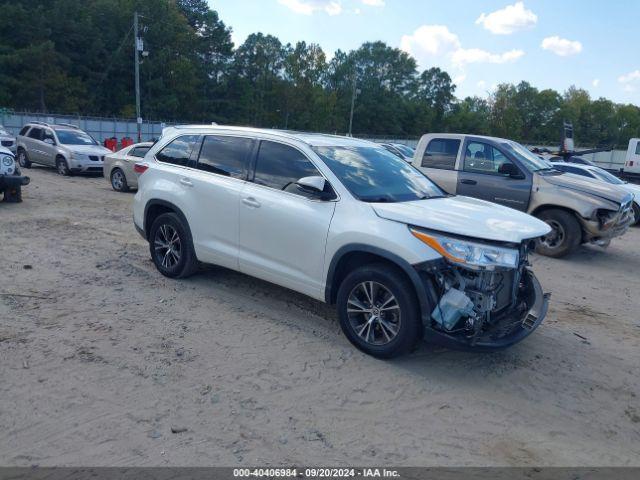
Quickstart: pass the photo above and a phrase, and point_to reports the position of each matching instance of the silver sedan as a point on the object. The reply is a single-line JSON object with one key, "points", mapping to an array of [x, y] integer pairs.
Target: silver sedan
{"points": [[118, 166]]}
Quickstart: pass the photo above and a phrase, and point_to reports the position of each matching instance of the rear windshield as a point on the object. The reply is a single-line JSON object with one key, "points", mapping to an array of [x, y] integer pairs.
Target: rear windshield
{"points": [[75, 137], [372, 174]]}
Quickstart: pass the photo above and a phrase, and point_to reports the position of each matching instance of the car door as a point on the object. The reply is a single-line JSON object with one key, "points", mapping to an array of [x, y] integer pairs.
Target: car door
{"points": [[283, 231], [216, 181], [482, 176], [33, 142], [48, 147], [439, 162]]}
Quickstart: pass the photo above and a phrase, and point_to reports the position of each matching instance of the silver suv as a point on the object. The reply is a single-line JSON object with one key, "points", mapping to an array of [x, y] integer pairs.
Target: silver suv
{"points": [[63, 146]]}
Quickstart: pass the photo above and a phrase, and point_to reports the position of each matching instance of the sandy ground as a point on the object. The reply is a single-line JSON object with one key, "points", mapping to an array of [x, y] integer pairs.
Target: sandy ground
{"points": [[101, 357]]}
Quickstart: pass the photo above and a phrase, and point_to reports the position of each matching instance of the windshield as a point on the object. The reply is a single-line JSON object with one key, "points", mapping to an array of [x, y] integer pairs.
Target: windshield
{"points": [[606, 176], [75, 137], [528, 159], [372, 174]]}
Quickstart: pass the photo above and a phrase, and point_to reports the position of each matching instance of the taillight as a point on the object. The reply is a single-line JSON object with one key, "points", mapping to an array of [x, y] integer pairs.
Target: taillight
{"points": [[140, 168]]}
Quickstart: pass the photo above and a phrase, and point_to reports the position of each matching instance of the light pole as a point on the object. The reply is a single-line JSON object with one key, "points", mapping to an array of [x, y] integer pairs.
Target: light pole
{"points": [[355, 92], [137, 48]]}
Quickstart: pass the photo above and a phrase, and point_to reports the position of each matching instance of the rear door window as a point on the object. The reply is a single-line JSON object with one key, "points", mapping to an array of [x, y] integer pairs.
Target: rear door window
{"points": [[225, 155], [280, 166], [441, 153], [178, 151], [36, 133]]}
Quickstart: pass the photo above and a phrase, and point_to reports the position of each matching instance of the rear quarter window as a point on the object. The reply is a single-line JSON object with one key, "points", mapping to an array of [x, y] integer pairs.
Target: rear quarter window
{"points": [[638, 148], [441, 153]]}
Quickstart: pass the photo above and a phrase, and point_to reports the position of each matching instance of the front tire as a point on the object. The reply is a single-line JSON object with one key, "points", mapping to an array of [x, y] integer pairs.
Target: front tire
{"points": [[23, 159], [119, 181], [565, 236], [63, 167], [171, 247], [13, 195], [378, 311], [636, 214]]}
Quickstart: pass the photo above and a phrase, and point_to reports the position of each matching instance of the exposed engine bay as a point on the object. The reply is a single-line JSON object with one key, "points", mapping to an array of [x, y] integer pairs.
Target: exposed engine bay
{"points": [[482, 303]]}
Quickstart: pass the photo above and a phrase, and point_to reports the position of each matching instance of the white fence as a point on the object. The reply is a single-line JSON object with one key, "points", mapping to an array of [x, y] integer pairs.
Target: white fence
{"points": [[100, 128]]}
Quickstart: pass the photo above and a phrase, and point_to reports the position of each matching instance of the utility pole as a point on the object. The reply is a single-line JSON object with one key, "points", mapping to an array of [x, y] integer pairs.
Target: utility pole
{"points": [[137, 47], [354, 93]]}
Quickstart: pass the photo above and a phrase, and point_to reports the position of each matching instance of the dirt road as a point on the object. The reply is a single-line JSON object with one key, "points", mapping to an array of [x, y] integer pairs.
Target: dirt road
{"points": [[101, 357]]}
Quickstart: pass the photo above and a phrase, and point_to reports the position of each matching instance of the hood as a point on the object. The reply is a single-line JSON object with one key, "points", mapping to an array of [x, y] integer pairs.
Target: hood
{"points": [[632, 188], [5, 151], [585, 185], [89, 149], [465, 216]]}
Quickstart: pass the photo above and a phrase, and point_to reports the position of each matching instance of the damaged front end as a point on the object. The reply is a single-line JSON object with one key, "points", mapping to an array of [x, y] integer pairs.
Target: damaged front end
{"points": [[482, 305]]}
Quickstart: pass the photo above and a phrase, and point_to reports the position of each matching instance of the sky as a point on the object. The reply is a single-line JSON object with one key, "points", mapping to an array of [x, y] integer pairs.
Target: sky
{"points": [[592, 44]]}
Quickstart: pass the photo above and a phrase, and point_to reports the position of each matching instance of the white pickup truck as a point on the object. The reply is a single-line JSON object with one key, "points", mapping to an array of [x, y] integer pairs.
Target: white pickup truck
{"points": [[632, 162]]}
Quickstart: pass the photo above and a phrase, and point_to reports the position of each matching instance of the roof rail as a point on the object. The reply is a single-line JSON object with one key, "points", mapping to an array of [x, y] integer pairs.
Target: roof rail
{"points": [[36, 122], [68, 125]]}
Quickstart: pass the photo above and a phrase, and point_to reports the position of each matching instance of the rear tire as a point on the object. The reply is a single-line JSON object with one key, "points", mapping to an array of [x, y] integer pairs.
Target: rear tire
{"points": [[378, 311], [171, 247], [565, 237], [23, 159], [119, 181]]}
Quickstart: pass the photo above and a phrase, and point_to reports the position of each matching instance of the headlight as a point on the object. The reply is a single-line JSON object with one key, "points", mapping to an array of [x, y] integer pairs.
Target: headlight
{"points": [[469, 254], [7, 161]]}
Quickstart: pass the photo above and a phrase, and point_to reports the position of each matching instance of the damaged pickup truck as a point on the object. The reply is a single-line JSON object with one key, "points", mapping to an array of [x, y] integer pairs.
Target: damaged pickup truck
{"points": [[348, 223], [577, 209]]}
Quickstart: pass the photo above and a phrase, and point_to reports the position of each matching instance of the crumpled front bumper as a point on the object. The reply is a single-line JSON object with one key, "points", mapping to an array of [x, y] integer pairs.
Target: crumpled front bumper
{"points": [[520, 325], [594, 231]]}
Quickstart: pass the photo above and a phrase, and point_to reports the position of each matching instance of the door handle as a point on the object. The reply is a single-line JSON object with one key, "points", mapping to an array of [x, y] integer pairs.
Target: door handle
{"points": [[251, 202], [469, 182], [186, 182]]}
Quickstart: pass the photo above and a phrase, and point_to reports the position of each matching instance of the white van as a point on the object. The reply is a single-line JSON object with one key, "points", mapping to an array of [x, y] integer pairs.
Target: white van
{"points": [[632, 162]]}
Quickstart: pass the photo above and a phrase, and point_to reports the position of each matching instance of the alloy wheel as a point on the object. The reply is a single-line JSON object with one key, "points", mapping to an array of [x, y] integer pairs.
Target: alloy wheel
{"points": [[117, 180], [374, 313], [62, 167], [167, 246], [22, 159], [555, 237]]}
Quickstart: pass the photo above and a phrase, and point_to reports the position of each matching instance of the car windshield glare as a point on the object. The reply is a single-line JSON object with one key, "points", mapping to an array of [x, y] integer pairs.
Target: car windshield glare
{"points": [[528, 159], [75, 137], [372, 174]]}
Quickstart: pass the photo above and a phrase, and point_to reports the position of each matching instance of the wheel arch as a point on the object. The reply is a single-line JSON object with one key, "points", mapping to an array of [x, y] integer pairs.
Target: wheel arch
{"points": [[354, 255], [549, 206], [156, 207]]}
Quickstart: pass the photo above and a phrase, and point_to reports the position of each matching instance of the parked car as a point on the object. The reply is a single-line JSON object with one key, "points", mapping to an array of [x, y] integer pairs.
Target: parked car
{"points": [[63, 146], [396, 151], [345, 222], [599, 174], [7, 140], [406, 150], [11, 180], [505, 172], [118, 166]]}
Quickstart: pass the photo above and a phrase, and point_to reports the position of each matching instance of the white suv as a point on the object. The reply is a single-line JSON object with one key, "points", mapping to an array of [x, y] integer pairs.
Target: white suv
{"points": [[345, 222]]}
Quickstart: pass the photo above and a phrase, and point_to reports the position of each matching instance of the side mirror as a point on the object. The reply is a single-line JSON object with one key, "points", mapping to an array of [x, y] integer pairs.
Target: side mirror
{"points": [[510, 170], [49, 141], [312, 184]]}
